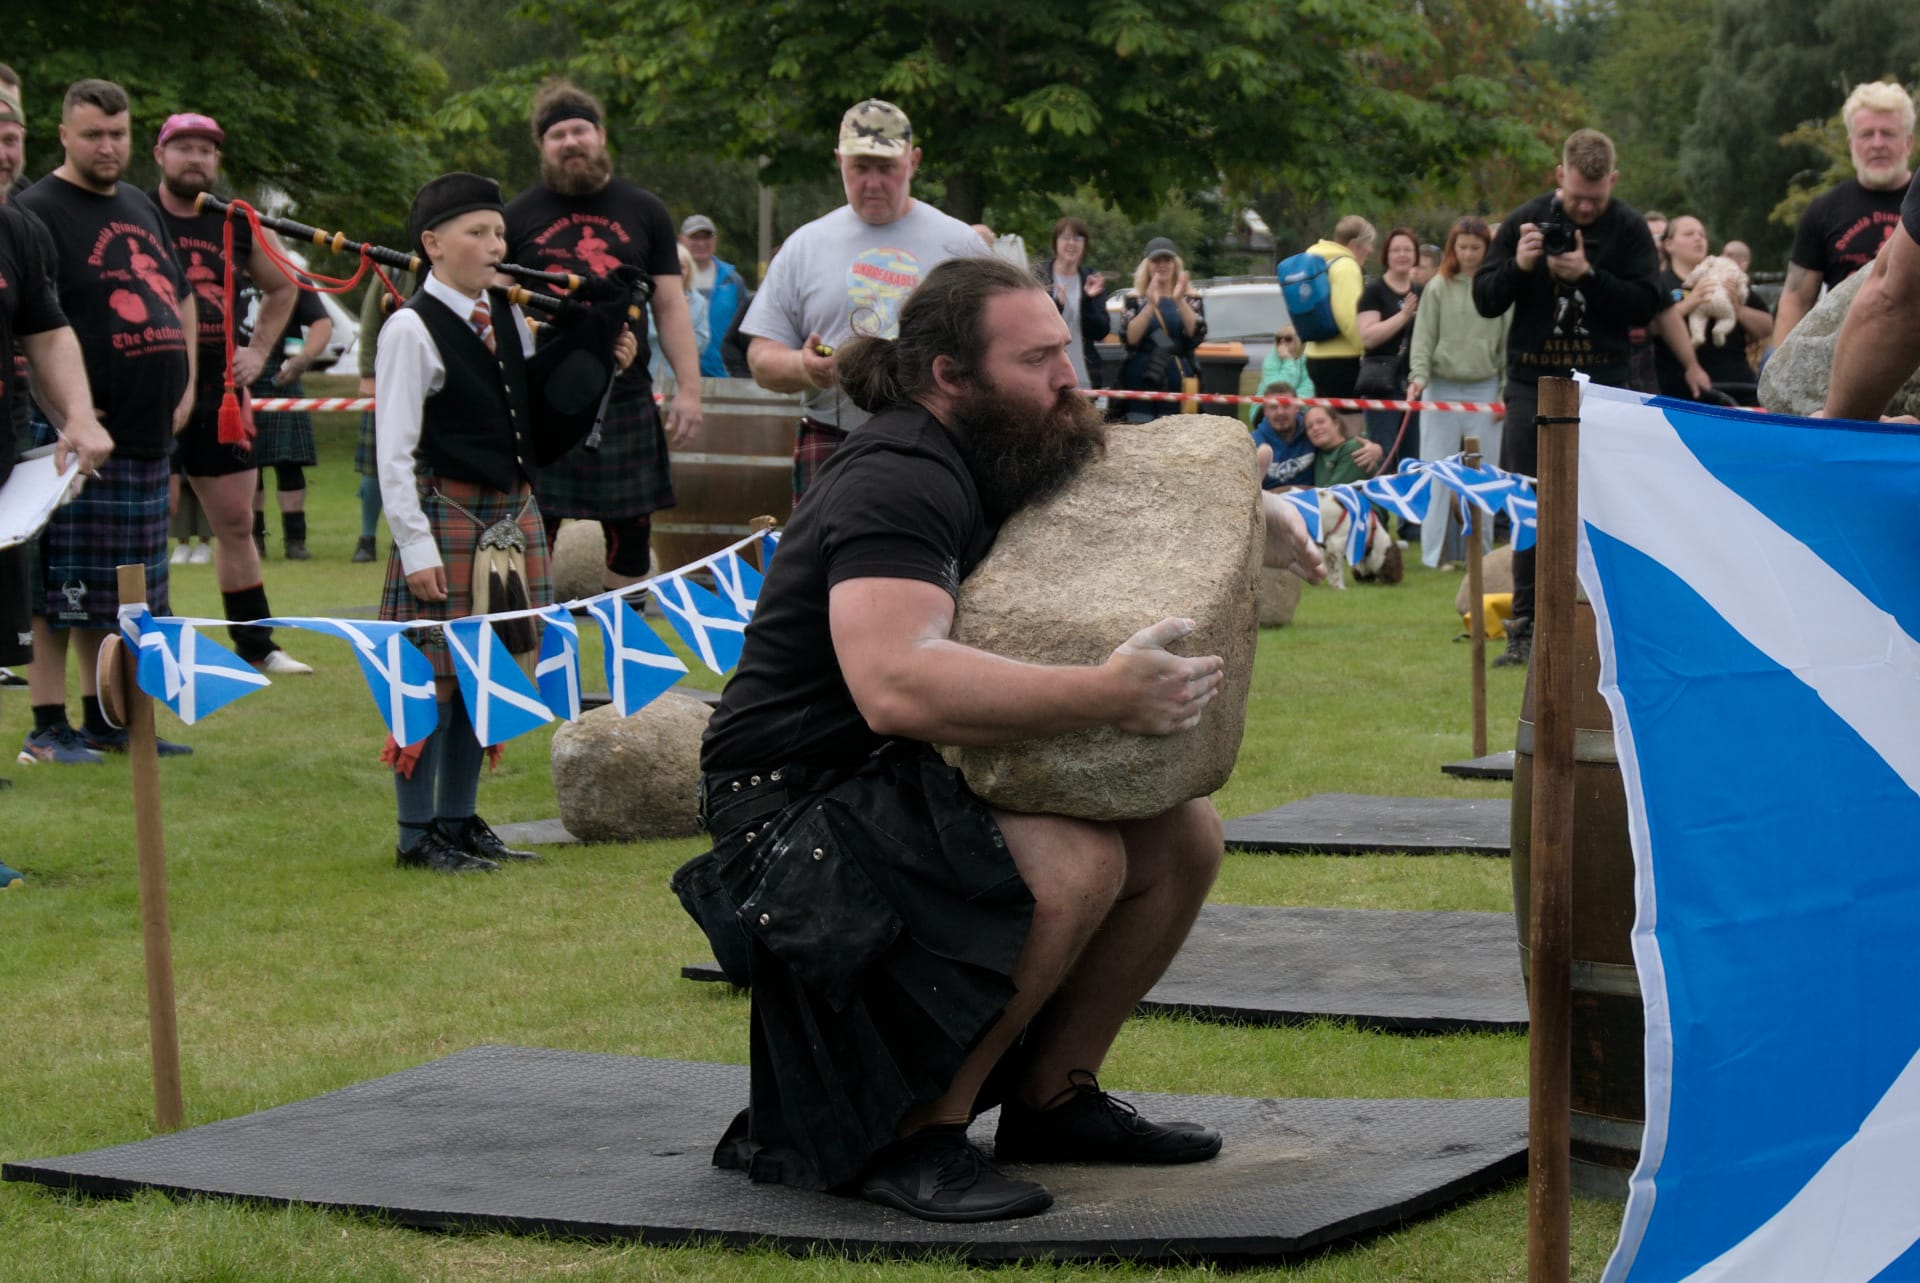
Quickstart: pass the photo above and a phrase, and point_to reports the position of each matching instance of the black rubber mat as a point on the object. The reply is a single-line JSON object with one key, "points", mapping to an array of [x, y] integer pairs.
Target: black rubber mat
{"points": [[1361, 823], [618, 1147], [1379, 968], [1494, 766], [535, 833]]}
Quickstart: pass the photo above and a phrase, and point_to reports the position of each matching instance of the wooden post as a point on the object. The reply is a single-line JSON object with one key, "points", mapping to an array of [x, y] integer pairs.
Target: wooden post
{"points": [[759, 526], [1189, 394], [1550, 998], [156, 935], [1476, 610]]}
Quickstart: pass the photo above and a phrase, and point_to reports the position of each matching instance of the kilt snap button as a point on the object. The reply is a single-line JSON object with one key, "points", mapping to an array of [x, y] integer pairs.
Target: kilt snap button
{"points": [[818, 854], [736, 786], [775, 777], [754, 780], [765, 918]]}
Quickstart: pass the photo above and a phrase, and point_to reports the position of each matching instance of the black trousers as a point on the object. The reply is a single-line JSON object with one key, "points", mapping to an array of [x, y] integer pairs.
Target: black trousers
{"points": [[1520, 452]]}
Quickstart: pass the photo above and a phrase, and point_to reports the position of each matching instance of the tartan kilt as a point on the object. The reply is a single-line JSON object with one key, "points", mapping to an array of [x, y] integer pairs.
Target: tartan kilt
{"points": [[365, 461], [813, 445], [454, 535], [120, 516], [627, 477], [282, 436]]}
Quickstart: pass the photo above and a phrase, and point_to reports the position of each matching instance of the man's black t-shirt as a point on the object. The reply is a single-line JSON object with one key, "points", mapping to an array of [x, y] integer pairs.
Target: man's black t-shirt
{"points": [[593, 235], [1560, 327], [895, 502], [1725, 363], [121, 287], [29, 304], [1843, 229], [198, 242]]}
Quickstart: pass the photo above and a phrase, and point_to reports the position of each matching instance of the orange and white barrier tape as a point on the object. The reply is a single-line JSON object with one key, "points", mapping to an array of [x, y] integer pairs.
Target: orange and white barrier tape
{"points": [[335, 403]]}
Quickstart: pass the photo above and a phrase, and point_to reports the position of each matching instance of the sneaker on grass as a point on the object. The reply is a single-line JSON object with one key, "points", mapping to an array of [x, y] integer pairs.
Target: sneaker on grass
{"points": [[117, 740], [280, 664], [60, 745]]}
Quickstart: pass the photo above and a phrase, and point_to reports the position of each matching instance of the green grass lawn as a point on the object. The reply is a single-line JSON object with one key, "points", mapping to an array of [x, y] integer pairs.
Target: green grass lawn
{"points": [[306, 962]]}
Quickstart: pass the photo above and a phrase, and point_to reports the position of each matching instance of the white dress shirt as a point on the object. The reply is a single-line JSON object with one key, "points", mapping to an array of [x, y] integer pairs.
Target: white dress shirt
{"points": [[408, 370]]}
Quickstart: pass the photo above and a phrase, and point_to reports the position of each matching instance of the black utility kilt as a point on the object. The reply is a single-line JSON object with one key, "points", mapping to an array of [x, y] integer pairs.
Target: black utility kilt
{"points": [[877, 915], [16, 604], [627, 477], [281, 436], [120, 516], [455, 535]]}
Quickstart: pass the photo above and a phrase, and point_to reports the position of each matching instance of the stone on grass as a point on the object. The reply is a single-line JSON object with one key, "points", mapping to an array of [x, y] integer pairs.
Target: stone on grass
{"points": [[1496, 576], [1166, 525], [1279, 596], [1795, 380], [579, 560], [627, 779]]}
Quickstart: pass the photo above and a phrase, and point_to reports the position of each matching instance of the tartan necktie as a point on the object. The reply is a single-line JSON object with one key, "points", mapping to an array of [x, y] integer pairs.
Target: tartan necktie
{"points": [[482, 321]]}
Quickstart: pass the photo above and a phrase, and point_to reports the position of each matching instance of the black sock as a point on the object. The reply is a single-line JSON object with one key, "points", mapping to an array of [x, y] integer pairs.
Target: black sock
{"points": [[48, 716], [91, 716], [259, 522], [294, 526], [252, 643]]}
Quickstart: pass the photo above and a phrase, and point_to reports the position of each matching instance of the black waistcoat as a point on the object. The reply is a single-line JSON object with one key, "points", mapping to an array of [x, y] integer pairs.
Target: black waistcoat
{"points": [[475, 428]]}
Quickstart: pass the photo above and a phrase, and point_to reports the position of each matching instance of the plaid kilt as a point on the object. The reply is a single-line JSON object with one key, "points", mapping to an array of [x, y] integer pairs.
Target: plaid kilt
{"points": [[120, 516], [281, 436], [454, 535], [365, 461], [812, 447], [627, 477]]}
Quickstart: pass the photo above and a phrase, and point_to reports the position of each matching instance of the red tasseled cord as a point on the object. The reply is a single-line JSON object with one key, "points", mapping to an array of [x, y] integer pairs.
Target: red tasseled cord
{"points": [[236, 415]]}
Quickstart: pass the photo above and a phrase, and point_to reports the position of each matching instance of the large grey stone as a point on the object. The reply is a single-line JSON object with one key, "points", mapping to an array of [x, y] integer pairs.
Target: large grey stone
{"points": [[579, 560], [1795, 380], [625, 779], [1278, 596], [1167, 524]]}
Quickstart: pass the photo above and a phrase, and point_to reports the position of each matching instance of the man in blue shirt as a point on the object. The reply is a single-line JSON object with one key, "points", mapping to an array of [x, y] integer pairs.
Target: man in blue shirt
{"points": [[720, 283]]}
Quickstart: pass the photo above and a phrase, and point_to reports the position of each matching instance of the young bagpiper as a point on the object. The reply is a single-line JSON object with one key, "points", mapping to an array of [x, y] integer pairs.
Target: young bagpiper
{"points": [[456, 461]]}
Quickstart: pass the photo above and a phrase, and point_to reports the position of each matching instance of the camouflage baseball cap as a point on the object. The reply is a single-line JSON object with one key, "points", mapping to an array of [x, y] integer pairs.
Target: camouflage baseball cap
{"points": [[875, 128]]}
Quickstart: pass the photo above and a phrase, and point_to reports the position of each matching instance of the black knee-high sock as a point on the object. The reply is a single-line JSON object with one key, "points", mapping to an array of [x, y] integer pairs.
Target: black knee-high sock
{"points": [[413, 795], [293, 525], [48, 716], [460, 760], [91, 716], [251, 642]]}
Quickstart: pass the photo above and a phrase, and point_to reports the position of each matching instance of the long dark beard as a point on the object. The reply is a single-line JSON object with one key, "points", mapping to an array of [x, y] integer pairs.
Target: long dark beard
{"points": [[186, 187], [579, 182], [1019, 455]]}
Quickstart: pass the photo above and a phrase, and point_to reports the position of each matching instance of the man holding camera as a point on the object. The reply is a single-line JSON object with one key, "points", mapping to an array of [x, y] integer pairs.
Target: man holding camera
{"points": [[1580, 271]]}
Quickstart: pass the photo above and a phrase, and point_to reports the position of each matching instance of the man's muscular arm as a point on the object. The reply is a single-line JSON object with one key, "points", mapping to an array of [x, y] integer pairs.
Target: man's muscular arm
{"points": [[779, 368], [1797, 298], [909, 678], [1879, 342]]}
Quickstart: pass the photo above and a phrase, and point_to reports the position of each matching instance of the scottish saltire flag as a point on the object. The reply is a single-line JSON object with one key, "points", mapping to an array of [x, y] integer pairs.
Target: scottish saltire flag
{"points": [[1408, 492], [705, 623], [557, 672], [183, 670], [1307, 504], [769, 544], [1355, 505], [739, 583], [398, 675], [501, 701], [639, 665], [1758, 606]]}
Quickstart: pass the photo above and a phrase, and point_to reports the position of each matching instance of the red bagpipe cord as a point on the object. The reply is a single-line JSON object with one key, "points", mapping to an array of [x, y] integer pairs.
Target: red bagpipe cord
{"points": [[236, 415]]}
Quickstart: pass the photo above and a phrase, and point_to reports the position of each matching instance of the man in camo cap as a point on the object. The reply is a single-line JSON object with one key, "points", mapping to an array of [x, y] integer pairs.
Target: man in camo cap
{"points": [[847, 273]]}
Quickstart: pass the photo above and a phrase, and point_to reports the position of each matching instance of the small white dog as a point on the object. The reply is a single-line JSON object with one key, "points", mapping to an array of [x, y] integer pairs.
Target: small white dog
{"points": [[1384, 559], [1721, 285]]}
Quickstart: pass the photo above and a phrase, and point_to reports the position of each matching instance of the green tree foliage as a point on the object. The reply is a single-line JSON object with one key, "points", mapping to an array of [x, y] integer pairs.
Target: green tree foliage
{"points": [[1645, 87], [1775, 65], [1016, 100], [320, 99]]}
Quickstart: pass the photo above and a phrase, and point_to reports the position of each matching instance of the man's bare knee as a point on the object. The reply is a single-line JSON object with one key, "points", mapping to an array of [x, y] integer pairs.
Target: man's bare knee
{"points": [[1075, 869]]}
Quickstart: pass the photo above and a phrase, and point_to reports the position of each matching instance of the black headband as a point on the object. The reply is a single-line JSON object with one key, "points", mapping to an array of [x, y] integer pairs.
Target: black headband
{"points": [[568, 111]]}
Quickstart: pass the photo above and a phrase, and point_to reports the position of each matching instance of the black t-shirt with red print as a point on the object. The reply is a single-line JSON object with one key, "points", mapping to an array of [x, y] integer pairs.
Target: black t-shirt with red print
{"points": [[122, 289], [29, 304], [1843, 229], [199, 243], [593, 235]]}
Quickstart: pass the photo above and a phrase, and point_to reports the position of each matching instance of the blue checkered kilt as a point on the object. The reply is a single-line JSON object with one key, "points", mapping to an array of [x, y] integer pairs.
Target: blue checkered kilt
{"points": [[365, 461], [627, 477], [454, 535], [281, 436], [120, 516]]}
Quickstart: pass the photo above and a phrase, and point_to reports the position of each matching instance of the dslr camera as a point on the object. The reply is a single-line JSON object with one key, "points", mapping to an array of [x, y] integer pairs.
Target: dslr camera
{"points": [[1557, 232]]}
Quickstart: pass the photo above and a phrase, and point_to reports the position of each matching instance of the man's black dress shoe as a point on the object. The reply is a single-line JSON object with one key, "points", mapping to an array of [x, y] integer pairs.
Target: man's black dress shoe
{"points": [[938, 1175], [434, 852], [474, 837], [1085, 1125]]}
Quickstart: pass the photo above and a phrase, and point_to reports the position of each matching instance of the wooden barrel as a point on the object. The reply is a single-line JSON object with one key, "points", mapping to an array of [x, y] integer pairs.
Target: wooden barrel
{"points": [[738, 468], [1609, 1087]]}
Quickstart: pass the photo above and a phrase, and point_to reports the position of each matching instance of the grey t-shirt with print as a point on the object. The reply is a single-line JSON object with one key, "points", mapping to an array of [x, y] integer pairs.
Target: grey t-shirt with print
{"points": [[840, 276]]}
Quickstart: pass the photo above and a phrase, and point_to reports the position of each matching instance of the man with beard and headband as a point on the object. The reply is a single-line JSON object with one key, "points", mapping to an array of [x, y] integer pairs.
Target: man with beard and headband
{"points": [[847, 273], [581, 219], [1844, 228], [916, 956], [223, 475]]}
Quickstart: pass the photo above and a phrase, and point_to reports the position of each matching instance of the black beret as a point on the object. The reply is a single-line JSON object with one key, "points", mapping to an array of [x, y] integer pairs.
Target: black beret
{"points": [[450, 196]]}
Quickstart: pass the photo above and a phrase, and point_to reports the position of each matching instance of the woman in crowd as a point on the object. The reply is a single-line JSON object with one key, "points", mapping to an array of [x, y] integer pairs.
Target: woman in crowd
{"points": [[1081, 297], [1334, 364], [1457, 355], [1165, 323], [1385, 317], [1684, 246], [1286, 363]]}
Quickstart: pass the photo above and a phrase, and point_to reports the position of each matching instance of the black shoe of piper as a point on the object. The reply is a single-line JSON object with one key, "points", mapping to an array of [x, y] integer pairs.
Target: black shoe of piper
{"points": [[938, 1175], [474, 837], [436, 854], [1086, 1125]]}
